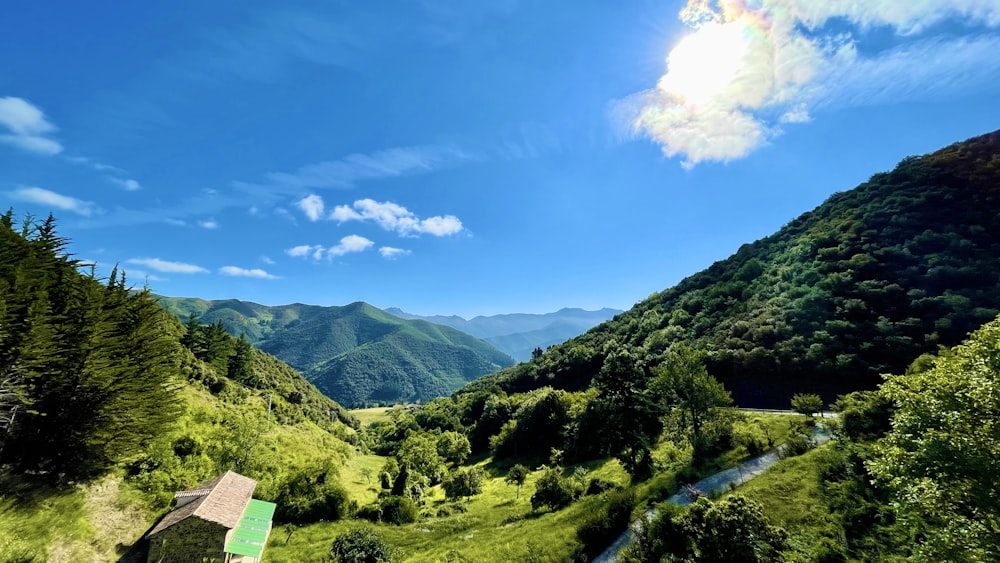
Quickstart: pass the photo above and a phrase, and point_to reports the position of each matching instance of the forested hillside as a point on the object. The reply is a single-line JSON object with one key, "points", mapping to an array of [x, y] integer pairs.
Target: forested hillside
{"points": [[108, 405], [872, 278], [356, 354]]}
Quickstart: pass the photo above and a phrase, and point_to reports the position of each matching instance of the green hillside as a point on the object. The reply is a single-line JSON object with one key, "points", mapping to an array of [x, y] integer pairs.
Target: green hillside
{"points": [[872, 278], [109, 405], [356, 354]]}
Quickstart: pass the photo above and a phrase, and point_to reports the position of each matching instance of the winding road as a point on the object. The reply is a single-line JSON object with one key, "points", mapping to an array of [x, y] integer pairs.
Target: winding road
{"points": [[718, 482]]}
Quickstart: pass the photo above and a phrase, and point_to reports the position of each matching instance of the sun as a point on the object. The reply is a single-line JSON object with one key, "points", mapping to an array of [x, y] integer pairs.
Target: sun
{"points": [[705, 62]]}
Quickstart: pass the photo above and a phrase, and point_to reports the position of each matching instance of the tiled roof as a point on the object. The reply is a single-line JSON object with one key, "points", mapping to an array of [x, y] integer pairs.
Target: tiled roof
{"points": [[221, 500]]}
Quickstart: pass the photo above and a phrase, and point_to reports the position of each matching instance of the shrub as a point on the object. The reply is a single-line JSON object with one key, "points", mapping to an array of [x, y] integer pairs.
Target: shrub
{"points": [[598, 485], [464, 483], [391, 510], [602, 527], [360, 545], [554, 491]]}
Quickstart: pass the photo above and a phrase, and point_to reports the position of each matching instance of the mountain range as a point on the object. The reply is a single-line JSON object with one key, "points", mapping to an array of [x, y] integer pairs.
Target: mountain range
{"points": [[518, 334], [862, 285], [356, 354]]}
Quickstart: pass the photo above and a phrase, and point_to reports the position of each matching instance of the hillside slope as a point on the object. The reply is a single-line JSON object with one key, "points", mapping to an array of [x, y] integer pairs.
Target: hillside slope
{"points": [[875, 276], [518, 334], [355, 354]]}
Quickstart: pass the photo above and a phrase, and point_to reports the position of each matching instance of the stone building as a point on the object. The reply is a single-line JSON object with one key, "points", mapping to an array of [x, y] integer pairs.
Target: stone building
{"points": [[217, 521]]}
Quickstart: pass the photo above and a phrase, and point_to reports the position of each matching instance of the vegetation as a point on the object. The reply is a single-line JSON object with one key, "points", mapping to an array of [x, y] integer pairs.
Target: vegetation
{"points": [[109, 405], [360, 545], [356, 354], [860, 286]]}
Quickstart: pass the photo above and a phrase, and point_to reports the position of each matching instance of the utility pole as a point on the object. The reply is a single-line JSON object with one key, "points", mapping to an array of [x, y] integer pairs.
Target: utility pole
{"points": [[269, 409]]}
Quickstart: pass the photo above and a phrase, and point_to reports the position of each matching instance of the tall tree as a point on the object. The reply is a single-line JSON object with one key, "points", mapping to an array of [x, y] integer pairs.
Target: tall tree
{"points": [[682, 382]]}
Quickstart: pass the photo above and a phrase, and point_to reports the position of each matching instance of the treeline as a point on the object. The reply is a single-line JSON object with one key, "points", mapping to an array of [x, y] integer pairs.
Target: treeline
{"points": [[872, 278], [87, 367], [93, 372]]}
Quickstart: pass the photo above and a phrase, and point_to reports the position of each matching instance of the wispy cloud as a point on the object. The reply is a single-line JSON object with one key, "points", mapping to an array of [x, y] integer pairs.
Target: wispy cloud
{"points": [[32, 194], [391, 253], [394, 217], [167, 266], [27, 127], [236, 271], [389, 163], [347, 245], [267, 260], [748, 66], [127, 183], [208, 224]]}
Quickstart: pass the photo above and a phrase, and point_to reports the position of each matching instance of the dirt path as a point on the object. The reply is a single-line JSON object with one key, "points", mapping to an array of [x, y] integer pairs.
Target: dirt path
{"points": [[720, 481]]}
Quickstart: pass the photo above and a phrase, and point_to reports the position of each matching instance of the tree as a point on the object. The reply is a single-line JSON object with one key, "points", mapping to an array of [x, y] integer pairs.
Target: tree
{"points": [[464, 483], [682, 382], [517, 476], [453, 447], [553, 490], [733, 529], [807, 403], [939, 460], [360, 545], [419, 452], [624, 416]]}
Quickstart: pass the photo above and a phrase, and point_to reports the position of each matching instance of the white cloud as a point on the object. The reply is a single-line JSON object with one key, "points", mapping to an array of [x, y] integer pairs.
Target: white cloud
{"points": [[267, 260], [127, 183], [388, 163], [246, 273], [27, 127], [167, 267], [748, 66], [394, 217], [133, 274], [209, 224], [42, 196], [312, 206], [392, 252], [349, 244], [300, 251]]}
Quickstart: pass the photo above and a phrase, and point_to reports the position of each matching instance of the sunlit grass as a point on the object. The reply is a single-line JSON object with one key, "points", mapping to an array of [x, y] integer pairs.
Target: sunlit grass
{"points": [[372, 415]]}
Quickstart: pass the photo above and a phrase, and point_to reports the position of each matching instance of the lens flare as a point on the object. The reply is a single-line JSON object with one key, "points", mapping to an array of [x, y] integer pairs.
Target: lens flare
{"points": [[704, 63]]}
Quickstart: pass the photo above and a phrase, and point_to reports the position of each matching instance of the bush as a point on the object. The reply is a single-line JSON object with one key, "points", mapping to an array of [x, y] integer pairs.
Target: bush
{"points": [[391, 510], [797, 444], [554, 491], [360, 545], [598, 485], [602, 527], [464, 483]]}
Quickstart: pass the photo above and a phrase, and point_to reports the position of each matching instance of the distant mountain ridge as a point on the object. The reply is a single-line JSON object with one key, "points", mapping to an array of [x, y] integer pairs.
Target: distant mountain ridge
{"points": [[518, 334], [356, 354]]}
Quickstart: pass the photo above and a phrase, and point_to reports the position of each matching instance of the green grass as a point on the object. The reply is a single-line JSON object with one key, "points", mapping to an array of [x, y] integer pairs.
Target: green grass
{"points": [[372, 415], [791, 496], [495, 526]]}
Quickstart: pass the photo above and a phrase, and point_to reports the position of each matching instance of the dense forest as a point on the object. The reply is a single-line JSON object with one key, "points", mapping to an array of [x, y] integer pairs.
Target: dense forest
{"points": [[869, 280], [356, 354]]}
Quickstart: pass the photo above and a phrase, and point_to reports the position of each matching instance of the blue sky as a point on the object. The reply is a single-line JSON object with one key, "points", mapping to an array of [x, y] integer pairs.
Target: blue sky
{"points": [[452, 157]]}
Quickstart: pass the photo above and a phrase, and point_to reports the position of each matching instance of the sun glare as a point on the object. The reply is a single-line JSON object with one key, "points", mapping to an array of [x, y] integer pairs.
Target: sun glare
{"points": [[705, 62]]}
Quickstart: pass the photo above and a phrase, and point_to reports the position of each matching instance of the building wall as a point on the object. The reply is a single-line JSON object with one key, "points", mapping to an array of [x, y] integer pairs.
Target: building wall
{"points": [[188, 541]]}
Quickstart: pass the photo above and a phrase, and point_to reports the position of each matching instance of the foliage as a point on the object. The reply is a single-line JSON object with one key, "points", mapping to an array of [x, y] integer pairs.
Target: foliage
{"points": [[88, 367], [683, 383], [860, 286], [553, 490], [517, 476], [807, 403], [940, 459], [312, 493], [356, 354], [392, 509], [360, 545], [602, 527], [464, 482], [733, 529]]}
